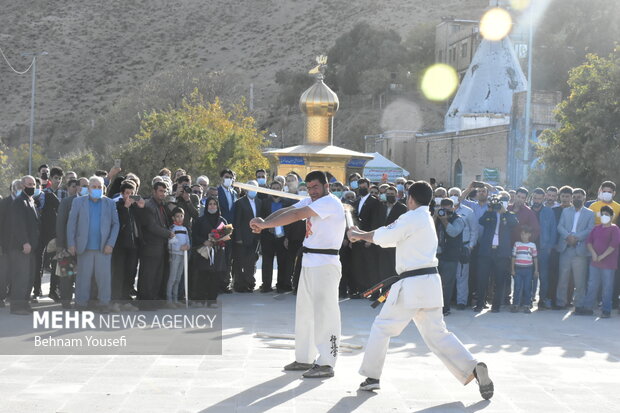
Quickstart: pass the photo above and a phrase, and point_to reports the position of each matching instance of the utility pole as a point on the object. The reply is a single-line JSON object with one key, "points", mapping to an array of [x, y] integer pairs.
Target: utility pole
{"points": [[32, 102], [528, 102]]}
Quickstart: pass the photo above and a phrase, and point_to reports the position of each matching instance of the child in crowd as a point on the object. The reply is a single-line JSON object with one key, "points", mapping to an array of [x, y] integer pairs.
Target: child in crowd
{"points": [[176, 245], [524, 266]]}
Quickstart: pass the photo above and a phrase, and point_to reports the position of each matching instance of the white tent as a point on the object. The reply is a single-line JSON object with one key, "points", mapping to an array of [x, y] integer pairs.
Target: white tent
{"points": [[380, 165]]}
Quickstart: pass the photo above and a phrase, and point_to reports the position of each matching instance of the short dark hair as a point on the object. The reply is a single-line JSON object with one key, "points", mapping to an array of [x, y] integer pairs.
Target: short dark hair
{"points": [[226, 171], [56, 171], [316, 176], [421, 192], [260, 170], [391, 188], [354, 175], [275, 183], [133, 178], [43, 166], [373, 186], [164, 171], [362, 181], [607, 209], [527, 229], [178, 210], [579, 191], [184, 178], [552, 189], [446, 202], [73, 182], [159, 184], [538, 191], [609, 184], [523, 190], [127, 184], [566, 190], [101, 173]]}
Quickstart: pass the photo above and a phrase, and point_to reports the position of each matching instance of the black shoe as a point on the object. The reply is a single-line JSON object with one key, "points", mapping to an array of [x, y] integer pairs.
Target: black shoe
{"points": [[606, 314], [370, 384], [460, 307], [477, 309], [495, 310], [133, 292], [266, 289], [319, 372], [481, 373], [446, 312], [54, 296], [295, 366]]}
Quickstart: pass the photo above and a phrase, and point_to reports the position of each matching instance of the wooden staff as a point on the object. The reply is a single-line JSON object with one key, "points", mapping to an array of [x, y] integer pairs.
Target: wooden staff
{"points": [[268, 191]]}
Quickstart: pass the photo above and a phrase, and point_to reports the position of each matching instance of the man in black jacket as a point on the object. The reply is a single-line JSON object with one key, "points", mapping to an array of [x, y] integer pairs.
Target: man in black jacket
{"points": [[155, 235], [23, 245], [47, 207], [245, 242], [272, 244], [391, 210], [366, 255], [65, 283], [125, 254]]}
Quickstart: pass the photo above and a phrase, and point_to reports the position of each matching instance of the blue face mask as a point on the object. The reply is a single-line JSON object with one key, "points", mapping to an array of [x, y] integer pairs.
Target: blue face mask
{"points": [[400, 187], [337, 194], [382, 197], [251, 194], [353, 184], [37, 192], [83, 191], [261, 181], [96, 193]]}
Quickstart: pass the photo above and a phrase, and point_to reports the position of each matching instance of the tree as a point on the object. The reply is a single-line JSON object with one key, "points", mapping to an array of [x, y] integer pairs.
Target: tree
{"points": [[585, 150], [200, 137]]}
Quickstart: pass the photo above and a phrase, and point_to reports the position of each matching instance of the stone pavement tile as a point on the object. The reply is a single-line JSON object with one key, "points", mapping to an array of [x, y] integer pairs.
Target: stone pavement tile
{"points": [[93, 403], [110, 385], [157, 386], [151, 403], [29, 405]]}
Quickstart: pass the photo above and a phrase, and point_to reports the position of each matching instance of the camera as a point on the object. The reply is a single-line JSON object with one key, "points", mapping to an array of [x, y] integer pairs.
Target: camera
{"points": [[441, 213], [44, 176], [495, 204], [187, 189]]}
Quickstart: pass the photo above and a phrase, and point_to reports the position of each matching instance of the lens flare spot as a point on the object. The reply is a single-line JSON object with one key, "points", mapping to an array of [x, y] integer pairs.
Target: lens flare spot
{"points": [[439, 82], [520, 4], [495, 24]]}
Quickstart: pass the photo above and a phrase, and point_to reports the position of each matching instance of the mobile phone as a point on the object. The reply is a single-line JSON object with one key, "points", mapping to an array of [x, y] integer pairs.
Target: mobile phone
{"points": [[117, 163], [135, 197]]}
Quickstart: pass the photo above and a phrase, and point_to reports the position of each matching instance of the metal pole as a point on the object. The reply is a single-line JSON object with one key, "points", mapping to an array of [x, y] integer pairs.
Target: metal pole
{"points": [[528, 103], [34, 80]]}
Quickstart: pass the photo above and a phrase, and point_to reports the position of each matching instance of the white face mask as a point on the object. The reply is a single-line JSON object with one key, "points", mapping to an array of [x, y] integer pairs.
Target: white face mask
{"points": [[303, 193], [605, 219], [605, 196], [227, 182], [455, 199], [438, 200]]}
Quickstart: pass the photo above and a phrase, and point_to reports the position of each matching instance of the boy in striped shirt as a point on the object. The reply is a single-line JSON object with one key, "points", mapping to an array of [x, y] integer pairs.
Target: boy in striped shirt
{"points": [[524, 266]]}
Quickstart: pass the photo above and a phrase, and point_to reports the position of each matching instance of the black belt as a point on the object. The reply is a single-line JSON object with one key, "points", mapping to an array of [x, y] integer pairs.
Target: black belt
{"points": [[388, 282], [319, 251]]}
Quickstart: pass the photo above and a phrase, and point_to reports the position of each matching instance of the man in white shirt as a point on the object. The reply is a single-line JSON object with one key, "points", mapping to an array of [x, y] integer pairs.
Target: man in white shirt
{"points": [[317, 315], [417, 295]]}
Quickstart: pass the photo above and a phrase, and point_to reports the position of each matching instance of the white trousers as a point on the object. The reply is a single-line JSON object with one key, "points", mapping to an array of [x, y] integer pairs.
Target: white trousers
{"points": [[392, 320], [317, 315]]}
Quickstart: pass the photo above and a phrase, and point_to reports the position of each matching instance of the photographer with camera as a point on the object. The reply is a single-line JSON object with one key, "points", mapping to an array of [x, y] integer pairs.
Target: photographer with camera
{"points": [[495, 249], [187, 200], [451, 230]]}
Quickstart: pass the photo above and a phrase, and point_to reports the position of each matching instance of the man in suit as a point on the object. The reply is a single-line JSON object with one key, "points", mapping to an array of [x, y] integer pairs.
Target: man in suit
{"points": [[5, 238], [494, 250], [23, 244], [65, 283], [391, 210], [227, 197], [155, 235], [575, 225], [272, 243], [295, 234], [47, 207], [91, 234], [245, 242], [366, 255]]}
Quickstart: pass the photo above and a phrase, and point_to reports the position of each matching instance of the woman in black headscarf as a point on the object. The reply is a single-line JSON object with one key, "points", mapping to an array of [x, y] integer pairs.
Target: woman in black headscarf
{"points": [[210, 263]]}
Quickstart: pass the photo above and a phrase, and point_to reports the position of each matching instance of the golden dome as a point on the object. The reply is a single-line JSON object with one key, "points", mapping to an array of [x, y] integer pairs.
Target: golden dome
{"points": [[319, 100]]}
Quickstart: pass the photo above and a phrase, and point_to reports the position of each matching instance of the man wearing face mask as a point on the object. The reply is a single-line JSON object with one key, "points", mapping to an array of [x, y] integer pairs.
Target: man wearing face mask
{"points": [[392, 209], [494, 250], [47, 206], [272, 244], [336, 189], [65, 283], [353, 182], [575, 226], [226, 195], [546, 242], [245, 242], [44, 175], [462, 269], [25, 238], [261, 178], [294, 234], [401, 190], [366, 255], [5, 237], [92, 230]]}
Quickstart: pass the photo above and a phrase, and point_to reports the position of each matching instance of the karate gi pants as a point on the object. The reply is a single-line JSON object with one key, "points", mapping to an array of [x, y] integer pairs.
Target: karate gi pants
{"points": [[393, 319], [317, 315]]}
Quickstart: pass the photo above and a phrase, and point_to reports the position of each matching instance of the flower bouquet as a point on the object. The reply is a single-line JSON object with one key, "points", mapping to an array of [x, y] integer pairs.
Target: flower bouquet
{"points": [[221, 234]]}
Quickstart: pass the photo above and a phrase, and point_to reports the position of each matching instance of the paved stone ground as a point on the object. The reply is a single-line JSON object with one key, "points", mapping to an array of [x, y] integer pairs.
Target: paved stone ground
{"points": [[546, 361]]}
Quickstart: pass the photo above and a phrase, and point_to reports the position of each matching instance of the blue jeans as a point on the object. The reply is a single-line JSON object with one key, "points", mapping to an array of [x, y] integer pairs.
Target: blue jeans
{"points": [[600, 277], [543, 270], [523, 286]]}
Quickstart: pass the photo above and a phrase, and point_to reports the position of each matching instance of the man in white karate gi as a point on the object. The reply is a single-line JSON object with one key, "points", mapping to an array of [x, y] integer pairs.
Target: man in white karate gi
{"points": [[317, 314], [417, 295]]}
